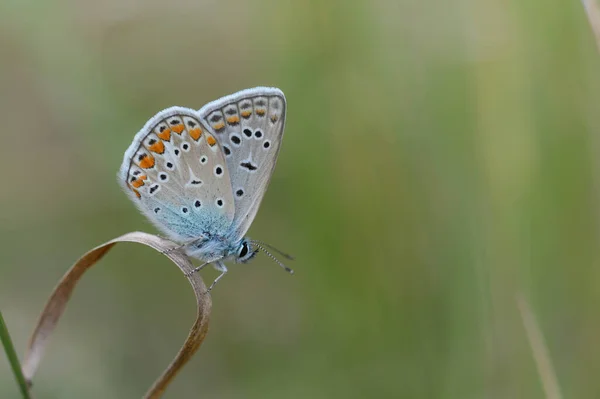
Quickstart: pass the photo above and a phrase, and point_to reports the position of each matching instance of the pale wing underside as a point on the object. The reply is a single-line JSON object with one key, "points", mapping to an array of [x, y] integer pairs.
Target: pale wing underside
{"points": [[176, 174], [249, 126]]}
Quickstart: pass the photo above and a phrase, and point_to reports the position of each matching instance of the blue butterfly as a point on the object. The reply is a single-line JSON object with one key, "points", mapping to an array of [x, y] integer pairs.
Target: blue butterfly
{"points": [[200, 176]]}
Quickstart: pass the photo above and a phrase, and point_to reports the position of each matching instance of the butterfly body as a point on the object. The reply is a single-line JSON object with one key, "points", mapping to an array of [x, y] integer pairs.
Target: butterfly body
{"points": [[199, 175], [212, 248]]}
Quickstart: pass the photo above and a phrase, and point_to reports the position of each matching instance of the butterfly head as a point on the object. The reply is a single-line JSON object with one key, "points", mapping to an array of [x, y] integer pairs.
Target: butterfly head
{"points": [[248, 249], [245, 251]]}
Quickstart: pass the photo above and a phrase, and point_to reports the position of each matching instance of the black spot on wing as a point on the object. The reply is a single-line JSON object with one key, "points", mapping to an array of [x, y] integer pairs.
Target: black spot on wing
{"points": [[249, 166]]}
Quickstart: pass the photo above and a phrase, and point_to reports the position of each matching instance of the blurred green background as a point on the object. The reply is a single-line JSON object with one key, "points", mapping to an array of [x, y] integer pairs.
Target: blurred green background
{"points": [[440, 159]]}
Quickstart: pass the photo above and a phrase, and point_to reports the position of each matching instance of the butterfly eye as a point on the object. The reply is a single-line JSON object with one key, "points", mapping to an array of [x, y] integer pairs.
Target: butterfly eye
{"points": [[243, 250]]}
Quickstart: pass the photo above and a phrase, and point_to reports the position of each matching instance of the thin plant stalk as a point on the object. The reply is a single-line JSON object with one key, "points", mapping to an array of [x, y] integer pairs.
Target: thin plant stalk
{"points": [[11, 354]]}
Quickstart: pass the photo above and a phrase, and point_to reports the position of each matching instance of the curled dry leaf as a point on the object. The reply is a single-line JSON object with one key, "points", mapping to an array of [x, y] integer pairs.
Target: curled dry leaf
{"points": [[62, 292]]}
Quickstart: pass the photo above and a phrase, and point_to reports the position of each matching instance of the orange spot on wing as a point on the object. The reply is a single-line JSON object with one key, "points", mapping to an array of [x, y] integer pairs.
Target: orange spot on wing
{"points": [[261, 112], [233, 119], [219, 126], [211, 141], [178, 128], [165, 134], [158, 147], [137, 193], [147, 162], [195, 133], [246, 114], [137, 183]]}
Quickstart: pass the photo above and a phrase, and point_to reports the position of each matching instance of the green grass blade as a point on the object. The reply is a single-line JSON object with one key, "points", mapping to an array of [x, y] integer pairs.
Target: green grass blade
{"points": [[11, 354]]}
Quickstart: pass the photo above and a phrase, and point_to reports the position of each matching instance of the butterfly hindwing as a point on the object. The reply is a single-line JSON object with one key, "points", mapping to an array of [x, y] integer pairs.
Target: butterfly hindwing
{"points": [[249, 126], [176, 174]]}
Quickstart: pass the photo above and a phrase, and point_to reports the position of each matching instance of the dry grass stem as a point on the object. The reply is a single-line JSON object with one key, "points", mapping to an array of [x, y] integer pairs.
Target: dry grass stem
{"points": [[540, 351], [593, 13], [62, 292]]}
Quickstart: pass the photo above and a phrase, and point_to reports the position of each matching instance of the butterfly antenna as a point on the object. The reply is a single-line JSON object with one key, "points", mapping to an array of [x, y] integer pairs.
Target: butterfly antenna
{"points": [[264, 244], [270, 255]]}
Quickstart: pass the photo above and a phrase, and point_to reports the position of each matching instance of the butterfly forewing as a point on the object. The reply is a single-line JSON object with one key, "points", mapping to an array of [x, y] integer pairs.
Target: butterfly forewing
{"points": [[249, 126], [176, 173]]}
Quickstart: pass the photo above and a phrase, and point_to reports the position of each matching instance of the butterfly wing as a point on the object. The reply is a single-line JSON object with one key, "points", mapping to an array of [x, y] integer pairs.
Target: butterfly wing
{"points": [[176, 174], [249, 126]]}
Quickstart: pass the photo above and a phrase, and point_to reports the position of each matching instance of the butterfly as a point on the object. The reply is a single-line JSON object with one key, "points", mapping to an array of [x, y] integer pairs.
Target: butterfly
{"points": [[200, 176]]}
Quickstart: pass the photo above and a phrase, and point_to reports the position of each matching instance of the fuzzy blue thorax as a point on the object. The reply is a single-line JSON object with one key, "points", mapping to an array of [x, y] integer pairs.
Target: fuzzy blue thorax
{"points": [[214, 248]]}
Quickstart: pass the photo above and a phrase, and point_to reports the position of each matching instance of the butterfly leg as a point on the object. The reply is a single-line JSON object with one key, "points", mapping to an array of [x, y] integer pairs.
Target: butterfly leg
{"points": [[220, 266], [197, 269], [173, 249]]}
